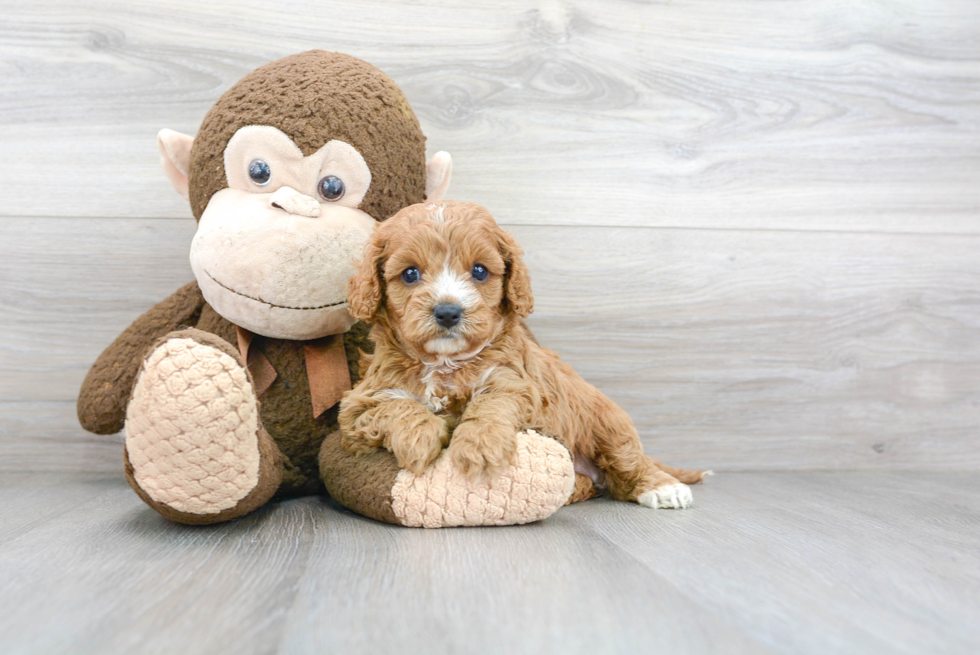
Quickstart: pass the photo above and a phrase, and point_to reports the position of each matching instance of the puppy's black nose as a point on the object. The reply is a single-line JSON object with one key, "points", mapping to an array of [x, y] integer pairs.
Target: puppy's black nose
{"points": [[447, 315]]}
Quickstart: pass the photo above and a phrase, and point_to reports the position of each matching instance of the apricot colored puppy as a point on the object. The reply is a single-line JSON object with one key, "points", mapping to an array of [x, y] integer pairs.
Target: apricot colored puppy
{"points": [[454, 366]]}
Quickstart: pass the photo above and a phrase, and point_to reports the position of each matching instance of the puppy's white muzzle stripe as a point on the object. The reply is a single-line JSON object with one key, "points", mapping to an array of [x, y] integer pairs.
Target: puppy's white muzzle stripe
{"points": [[450, 286]]}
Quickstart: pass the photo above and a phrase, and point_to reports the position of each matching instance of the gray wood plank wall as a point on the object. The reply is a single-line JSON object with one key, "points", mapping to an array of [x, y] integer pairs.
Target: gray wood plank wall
{"points": [[756, 225]]}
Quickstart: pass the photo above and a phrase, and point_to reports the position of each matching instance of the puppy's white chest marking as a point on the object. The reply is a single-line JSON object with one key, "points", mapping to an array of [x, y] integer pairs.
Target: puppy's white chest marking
{"points": [[433, 400], [434, 403], [438, 378], [440, 383]]}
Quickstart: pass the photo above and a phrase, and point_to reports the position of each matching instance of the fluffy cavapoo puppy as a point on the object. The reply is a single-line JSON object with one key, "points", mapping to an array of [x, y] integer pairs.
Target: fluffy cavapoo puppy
{"points": [[454, 365]]}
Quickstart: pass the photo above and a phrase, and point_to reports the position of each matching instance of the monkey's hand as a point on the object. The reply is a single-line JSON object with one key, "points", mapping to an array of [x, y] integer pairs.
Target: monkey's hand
{"points": [[106, 390]]}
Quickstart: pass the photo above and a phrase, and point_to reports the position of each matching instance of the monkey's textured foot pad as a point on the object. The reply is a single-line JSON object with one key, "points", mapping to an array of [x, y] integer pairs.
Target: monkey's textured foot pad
{"points": [[533, 488], [192, 429]]}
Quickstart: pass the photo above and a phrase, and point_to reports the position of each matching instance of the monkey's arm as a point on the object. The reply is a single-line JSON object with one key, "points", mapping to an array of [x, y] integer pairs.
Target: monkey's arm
{"points": [[109, 383]]}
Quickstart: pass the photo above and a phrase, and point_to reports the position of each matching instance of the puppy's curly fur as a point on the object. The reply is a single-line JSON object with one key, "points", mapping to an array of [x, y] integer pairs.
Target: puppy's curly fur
{"points": [[473, 384]]}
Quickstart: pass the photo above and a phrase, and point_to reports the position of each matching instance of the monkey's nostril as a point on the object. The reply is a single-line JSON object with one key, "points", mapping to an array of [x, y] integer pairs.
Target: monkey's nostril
{"points": [[293, 202], [447, 314]]}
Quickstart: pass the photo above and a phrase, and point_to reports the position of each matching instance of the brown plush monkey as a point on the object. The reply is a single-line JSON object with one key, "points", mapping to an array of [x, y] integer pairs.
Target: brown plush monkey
{"points": [[229, 388]]}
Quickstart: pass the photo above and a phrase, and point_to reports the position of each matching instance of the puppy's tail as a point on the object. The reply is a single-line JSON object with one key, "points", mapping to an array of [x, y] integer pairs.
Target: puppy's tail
{"points": [[686, 476]]}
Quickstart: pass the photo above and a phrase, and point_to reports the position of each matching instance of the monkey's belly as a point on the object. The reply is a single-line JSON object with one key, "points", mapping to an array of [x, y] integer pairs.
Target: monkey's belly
{"points": [[286, 411]]}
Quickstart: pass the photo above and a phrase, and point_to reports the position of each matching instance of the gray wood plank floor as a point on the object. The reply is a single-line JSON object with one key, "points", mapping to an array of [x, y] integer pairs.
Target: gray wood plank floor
{"points": [[765, 562]]}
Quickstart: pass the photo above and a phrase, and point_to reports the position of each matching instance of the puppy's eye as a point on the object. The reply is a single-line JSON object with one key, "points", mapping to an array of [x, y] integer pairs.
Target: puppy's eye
{"points": [[260, 172], [331, 188], [479, 272], [410, 275]]}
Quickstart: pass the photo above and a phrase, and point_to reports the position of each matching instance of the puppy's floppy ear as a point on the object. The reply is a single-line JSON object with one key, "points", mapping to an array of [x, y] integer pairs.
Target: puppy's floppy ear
{"points": [[365, 289], [517, 279]]}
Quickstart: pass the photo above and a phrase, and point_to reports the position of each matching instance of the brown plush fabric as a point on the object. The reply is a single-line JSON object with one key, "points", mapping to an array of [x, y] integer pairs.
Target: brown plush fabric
{"points": [[212, 322], [107, 387], [314, 97], [287, 409], [361, 483]]}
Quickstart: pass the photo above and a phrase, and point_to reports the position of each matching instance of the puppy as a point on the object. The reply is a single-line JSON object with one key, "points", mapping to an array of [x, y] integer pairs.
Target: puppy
{"points": [[454, 365]]}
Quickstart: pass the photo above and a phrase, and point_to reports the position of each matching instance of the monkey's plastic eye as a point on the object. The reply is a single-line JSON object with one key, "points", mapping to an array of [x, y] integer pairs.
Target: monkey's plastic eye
{"points": [[410, 275], [260, 172], [479, 272], [331, 188]]}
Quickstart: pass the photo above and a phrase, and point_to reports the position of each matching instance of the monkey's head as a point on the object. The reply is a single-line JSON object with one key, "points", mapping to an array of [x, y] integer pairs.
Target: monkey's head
{"points": [[288, 175]]}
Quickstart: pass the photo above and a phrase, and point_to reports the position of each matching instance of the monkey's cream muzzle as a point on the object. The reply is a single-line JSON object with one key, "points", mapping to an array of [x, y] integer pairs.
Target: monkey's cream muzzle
{"points": [[270, 264]]}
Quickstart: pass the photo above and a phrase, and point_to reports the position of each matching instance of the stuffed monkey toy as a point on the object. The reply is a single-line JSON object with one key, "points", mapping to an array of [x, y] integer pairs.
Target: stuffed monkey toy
{"points": [[228, 390]]}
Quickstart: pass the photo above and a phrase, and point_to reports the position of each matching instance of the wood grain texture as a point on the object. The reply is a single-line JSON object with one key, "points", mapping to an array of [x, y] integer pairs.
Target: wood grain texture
{"points": [[753, 224], [694, 113], [788, 562], [730, 349], [842, 563]]}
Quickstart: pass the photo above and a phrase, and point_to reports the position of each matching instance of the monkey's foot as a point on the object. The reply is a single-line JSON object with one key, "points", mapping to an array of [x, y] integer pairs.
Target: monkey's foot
{"points": [[534, 487], [195, 449]]}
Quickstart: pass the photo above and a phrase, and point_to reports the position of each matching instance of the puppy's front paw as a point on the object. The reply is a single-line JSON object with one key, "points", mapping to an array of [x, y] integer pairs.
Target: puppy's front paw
{"points": [[418, 444], [362, 434], [482, 449], [359, 442], [667, 496]]}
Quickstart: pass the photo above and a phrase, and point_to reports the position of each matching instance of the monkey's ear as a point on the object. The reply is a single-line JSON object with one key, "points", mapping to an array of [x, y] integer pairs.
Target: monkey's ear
{"points": [[175, 155], [437, 174], [364, 290], [517, 279]]}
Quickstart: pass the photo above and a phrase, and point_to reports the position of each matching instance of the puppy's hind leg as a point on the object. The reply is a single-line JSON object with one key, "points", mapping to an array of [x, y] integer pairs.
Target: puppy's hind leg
{"points": [[687, 476], [630, 474]]}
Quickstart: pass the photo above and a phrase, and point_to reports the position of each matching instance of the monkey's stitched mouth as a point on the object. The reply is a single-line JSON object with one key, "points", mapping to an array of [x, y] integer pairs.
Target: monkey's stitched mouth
{"points": [[271, 304]]}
